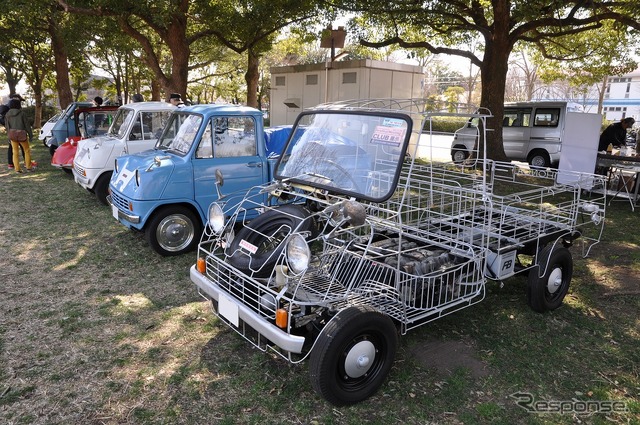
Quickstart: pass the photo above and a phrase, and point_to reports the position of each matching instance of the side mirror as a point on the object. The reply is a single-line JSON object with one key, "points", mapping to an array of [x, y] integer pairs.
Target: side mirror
{"points": [[219, 183]]}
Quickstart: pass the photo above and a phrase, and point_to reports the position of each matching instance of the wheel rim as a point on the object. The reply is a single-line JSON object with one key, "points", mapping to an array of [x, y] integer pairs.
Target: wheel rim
{"points": [[175, 232], [555, 281], [359, 359], [459, 156], [538, 161], [361, 362]]}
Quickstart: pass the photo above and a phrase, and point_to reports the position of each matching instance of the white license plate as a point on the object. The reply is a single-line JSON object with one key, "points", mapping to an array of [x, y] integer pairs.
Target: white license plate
{"points": [[228, 309], [114, 211]]}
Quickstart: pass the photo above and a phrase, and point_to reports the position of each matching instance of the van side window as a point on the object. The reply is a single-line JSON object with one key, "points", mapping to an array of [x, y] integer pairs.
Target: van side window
{"points": [[205, 148], [516, 117], [234, 136], [546, 117]]}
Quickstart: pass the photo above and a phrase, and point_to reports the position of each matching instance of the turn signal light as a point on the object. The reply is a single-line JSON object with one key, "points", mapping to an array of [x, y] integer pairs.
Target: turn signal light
{"points": [[201, 265], [281, 318]]}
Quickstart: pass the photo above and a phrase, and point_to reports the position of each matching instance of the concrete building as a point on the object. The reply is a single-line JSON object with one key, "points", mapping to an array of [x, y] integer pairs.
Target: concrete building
{"points": [[294, 88], [622, 97]]}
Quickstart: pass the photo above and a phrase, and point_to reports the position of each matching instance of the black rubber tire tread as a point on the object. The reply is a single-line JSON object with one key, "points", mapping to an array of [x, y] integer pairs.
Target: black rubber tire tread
{"points": [[262, 262], [157, 218], [353, 324], [101, 188], [538, 296]]}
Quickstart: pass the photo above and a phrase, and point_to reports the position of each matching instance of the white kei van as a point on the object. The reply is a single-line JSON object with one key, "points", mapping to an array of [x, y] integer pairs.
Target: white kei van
{"points": [[531, 132]]}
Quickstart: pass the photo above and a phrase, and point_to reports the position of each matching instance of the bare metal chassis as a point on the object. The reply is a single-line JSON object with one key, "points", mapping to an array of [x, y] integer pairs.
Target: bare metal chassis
{"points": [[424, 253]]}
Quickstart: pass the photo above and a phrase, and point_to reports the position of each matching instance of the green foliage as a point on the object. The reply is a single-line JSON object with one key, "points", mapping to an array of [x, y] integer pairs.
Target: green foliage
{"points": [[588, 57]]}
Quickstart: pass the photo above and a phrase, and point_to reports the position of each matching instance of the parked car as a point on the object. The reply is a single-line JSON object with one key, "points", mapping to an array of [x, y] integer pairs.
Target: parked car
{"points": [[357, 241], [531, 132], [136, 127], [90, 122], [65, 126], [45, 131], [165, 192]]}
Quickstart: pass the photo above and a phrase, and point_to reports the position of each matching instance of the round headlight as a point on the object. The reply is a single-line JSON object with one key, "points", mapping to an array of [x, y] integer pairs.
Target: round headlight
{"points": [[298, 253], [216, 217]]}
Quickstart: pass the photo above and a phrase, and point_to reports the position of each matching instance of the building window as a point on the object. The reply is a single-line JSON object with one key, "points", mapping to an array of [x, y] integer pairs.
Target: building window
{"points": [[349, 77], [280, 81], [312, 79]]}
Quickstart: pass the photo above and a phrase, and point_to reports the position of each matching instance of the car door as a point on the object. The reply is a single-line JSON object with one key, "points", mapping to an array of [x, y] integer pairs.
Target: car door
{"points": [[228, 144], [516, 129]]}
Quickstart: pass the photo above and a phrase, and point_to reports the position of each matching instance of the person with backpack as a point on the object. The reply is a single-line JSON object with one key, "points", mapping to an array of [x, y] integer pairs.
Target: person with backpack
{"points": [[20, 134]]}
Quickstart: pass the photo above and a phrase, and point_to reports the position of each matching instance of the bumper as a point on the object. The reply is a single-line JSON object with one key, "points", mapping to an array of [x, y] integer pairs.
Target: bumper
{"points": [[81, 180], [285, 341], [120, 215]]}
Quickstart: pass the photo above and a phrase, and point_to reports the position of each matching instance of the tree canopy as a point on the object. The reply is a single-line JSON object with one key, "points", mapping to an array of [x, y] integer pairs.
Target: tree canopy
{"points": [[451, 26]]}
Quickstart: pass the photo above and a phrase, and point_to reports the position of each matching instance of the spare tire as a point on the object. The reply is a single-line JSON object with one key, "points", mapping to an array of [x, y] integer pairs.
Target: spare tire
{"points": [[266, 233]]}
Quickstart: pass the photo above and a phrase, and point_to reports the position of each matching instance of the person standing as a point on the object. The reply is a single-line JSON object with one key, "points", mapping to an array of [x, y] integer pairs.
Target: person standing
{"points": [[3, 111], [15, 119]]}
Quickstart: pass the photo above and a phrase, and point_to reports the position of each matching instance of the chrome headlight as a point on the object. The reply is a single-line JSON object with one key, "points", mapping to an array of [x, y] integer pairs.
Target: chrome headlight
{"points": [[216, 217], [298, 253]]}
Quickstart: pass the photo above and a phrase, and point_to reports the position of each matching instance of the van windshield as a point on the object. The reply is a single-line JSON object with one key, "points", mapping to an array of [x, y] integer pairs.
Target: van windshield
{"points": [[180, 133], [121, 122]]}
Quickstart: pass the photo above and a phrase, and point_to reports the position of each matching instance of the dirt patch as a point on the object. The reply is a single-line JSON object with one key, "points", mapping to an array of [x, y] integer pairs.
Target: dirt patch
{"points": [[447, 356]]}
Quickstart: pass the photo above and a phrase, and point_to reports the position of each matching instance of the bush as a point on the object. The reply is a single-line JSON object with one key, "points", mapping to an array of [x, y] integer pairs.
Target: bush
{"points": [[446, 124]]}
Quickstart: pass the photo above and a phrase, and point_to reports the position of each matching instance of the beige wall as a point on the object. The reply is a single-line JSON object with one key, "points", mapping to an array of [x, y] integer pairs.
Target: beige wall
{"points": [[373, 79]]}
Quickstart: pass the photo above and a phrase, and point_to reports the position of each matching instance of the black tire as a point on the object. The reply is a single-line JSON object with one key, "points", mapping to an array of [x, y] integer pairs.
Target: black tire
{"points": [[459, 155], [353, 355], [52, 149], [101, 188], [173, 230], [539, 159], [546, 292], [67, 170], [267, 232]]}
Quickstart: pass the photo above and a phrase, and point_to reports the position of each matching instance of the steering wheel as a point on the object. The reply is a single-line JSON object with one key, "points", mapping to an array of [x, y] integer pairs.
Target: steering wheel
{"points": [[343, 172]]}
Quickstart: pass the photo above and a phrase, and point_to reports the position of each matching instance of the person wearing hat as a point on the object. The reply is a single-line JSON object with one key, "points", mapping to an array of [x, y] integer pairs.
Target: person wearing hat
{"points": [[176, 100], [137, 98], [615, 134]]}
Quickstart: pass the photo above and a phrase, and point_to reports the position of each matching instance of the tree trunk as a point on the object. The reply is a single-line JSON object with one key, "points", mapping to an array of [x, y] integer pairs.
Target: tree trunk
{"points": [[495, 65], [252, 77], [60, 57], [12, 77], [601, 91]]}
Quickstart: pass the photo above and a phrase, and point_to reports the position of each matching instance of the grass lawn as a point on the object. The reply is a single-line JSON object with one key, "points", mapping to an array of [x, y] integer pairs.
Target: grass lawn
{"points": [[95, 328]]}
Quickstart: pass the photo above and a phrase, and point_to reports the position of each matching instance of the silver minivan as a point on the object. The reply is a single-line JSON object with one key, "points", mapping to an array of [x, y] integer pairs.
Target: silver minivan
{"points": [[531, 132]]}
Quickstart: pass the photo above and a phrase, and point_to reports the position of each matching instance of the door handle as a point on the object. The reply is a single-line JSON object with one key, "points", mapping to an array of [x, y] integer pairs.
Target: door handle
{"points": [[254, 164]]}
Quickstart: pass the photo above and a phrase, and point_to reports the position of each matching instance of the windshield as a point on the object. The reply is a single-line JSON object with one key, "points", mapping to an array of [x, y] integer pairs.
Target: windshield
{"points": [[121, 122], [180, 133], [94, 123], [354, 154]]}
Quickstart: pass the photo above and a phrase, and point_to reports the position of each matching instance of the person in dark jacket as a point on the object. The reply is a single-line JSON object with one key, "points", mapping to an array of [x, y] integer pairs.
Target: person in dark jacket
{"points": [[3, 111], [15, 119], [615, 134]]}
